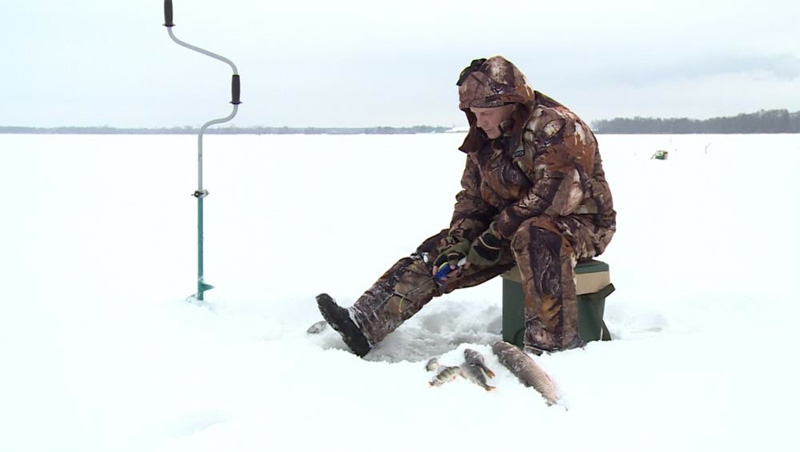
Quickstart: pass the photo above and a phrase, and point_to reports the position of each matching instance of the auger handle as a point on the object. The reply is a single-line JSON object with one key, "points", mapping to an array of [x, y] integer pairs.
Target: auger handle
{"points": [[236, 89], [168, 13]]}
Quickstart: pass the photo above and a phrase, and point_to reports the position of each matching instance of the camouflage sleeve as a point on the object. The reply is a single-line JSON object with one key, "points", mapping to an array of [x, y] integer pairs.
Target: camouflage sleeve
{"points": [[556, 166], [471, 214]]}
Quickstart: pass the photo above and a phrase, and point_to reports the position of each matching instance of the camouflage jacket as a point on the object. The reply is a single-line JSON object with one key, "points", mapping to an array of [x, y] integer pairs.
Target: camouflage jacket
{"points": [[547, 166]]}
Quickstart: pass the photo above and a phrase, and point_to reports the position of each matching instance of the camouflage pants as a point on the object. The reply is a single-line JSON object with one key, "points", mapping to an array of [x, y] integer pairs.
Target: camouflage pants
{"points": [[546, 252]]}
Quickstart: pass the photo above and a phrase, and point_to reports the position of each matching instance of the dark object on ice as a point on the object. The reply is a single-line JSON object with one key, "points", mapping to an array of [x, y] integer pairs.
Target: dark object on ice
{"points": [[660, 155], [339, 318]]}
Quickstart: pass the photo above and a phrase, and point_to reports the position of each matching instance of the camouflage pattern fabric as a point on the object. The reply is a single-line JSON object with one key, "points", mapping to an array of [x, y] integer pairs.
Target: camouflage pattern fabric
{"points": [[543, 182], [491, 83], [408, 286]]}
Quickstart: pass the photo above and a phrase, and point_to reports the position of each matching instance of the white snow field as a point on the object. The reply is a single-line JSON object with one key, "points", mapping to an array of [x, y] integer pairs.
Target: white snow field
{"points": [[99, 351]]}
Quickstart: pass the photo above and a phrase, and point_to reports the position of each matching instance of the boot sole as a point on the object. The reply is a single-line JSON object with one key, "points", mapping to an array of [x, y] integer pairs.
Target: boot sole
{"points": [[339, 319]]}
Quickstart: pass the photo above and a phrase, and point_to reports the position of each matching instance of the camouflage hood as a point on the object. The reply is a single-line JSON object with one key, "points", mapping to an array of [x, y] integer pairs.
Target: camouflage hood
{"points": [[492, 82]]}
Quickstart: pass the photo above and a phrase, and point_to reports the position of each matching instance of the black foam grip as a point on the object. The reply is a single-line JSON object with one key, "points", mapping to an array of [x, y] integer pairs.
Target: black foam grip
{"points": [[236, 89], [168, 13]]}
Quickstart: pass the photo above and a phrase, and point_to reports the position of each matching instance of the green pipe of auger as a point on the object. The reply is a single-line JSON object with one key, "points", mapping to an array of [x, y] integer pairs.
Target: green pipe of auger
{"points": [[201, 284]]}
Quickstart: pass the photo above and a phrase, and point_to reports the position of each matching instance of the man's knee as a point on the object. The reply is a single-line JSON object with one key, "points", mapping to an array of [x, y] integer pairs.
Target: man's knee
{"points": [[534, 237]]}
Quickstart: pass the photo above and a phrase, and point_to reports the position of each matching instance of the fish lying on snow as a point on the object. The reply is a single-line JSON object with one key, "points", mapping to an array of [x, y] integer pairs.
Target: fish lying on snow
{"points": [[432, 364], [317, 327], [475, 374], [447, 374], [473, 357], [474, 369], [526, 369]]}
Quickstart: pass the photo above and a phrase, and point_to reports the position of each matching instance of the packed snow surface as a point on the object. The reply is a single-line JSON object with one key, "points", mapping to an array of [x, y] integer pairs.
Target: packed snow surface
{"points": [[100, 350]]}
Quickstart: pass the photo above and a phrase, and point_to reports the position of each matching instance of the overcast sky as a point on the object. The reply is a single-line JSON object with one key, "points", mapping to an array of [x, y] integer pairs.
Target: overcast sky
{"points": [[354, 63]]}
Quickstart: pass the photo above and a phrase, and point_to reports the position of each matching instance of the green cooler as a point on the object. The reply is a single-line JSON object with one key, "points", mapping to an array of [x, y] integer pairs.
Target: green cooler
{"points": [[594, 285]]}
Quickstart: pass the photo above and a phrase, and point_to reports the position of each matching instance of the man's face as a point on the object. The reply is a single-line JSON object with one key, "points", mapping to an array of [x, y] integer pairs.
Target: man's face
{"points": [[489, 119]]}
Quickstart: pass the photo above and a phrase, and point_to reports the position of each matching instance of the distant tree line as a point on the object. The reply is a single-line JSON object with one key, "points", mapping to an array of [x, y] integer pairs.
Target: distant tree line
{"points": [[188, 130], [769, 121]]}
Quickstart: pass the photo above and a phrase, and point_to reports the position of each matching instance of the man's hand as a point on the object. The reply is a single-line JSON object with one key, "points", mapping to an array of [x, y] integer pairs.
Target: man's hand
{"points": [[485, 250], [455, 249]]}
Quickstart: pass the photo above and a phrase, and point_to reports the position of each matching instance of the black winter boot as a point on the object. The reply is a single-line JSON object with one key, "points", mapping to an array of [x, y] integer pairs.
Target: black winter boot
{"points": [[339, 318]]}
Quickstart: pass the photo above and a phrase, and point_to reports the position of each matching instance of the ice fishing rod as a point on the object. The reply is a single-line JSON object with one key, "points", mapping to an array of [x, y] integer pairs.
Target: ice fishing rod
{"points": [[201, 192]]}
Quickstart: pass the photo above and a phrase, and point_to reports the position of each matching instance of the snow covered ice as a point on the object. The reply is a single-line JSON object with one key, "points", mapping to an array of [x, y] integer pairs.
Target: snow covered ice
{"points": [[100, 351]]}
